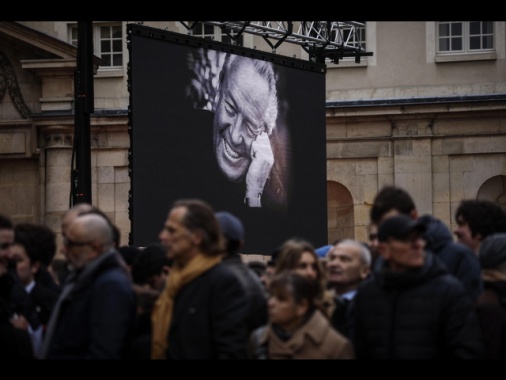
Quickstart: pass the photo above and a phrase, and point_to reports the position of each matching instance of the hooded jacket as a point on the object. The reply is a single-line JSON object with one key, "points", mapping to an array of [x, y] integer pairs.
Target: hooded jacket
{"points": [[459, 259]]}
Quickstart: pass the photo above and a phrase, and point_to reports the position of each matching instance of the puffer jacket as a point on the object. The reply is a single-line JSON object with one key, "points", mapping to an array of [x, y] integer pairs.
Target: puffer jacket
{"points": [[459, 259], [424, 313]]}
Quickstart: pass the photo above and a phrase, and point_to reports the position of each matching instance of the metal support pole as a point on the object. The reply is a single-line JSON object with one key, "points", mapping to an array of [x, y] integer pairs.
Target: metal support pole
{"points": [[84, 106]]}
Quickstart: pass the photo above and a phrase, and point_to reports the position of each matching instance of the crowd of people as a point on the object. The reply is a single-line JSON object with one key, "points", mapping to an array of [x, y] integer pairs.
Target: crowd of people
{"points": [[412, 291]]}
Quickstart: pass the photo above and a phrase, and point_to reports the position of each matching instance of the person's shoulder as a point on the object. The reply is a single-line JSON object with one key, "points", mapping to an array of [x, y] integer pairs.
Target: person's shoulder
{"points": [[42, 292], [222, 269]]}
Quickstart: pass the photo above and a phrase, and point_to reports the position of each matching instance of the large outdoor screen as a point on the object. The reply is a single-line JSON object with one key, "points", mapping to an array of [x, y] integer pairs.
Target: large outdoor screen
{"points": [[241, 129]]}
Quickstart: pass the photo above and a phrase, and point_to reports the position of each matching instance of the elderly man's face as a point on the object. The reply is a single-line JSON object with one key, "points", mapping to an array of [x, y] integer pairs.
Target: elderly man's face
{"points": [[404, 254], [239, 118], [345, 267]]}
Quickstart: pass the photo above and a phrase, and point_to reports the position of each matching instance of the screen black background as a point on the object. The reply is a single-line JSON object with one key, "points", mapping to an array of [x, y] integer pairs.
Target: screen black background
{"points": [[167, 162]]}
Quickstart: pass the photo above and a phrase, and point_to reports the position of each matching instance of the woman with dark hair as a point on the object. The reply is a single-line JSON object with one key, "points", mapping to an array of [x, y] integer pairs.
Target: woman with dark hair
{"points": [[300, 256], [297, 327]]}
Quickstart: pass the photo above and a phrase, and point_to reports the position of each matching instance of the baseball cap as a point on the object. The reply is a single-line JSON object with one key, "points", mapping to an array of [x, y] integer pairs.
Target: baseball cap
{"points": [[399, 227]]}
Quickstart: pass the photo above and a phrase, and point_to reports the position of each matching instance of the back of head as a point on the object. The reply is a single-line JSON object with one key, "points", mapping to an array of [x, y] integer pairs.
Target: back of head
{"points": [[150, 262], [389, 198], [232, 229], [492, 252], [39, 241], [200, 218], [129, 253]]}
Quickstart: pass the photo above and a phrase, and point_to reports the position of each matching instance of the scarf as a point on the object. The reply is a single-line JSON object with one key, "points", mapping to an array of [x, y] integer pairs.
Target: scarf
{"points": [[163, 308]]}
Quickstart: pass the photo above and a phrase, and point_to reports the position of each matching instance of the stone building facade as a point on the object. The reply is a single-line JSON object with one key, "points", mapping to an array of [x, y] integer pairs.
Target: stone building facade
{"points": [[409, 115]]}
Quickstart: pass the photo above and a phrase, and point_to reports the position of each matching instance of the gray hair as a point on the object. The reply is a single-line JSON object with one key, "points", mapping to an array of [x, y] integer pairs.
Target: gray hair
{"points": [[365, 253], [266, 70]]}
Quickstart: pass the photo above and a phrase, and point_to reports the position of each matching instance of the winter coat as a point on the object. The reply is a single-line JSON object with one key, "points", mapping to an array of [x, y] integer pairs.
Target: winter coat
{"points": [[315, 339], [253, 288], [459, 259], [97, 317], [424, 313], [14, 342], [210, 318], [491, 308]]}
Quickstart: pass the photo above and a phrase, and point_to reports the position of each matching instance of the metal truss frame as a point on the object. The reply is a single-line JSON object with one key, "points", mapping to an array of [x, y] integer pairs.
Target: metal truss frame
{"points": [[322, 40]]}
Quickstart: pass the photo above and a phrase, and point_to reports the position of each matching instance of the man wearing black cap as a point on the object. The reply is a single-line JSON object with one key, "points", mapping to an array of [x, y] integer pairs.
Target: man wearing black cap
{"points": [[458, 259], [233, 231], [412, 308]]}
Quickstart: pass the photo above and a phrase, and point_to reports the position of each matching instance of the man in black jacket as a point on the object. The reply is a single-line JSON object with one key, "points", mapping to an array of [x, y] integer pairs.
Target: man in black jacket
{"points": [[233, 231], [14, 339], [412, 308], [202, 311], [458, 259]]}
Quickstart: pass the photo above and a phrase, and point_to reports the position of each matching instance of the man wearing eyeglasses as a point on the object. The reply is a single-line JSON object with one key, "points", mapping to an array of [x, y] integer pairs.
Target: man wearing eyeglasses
{"points": [[95, 313]]}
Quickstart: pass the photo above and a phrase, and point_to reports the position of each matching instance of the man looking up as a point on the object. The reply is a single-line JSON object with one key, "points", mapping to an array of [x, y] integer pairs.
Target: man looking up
{"points": [[348, 264]]}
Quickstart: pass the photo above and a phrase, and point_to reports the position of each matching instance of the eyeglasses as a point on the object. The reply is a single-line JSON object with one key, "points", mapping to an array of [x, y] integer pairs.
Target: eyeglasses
{"points": [[69, 243], [4, 246]]}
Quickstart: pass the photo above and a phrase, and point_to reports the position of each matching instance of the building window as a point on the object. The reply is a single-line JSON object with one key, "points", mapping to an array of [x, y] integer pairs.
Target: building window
{"points": [[111, 45], [351, 35], [107, 42], [215, 33], [464, 37]]}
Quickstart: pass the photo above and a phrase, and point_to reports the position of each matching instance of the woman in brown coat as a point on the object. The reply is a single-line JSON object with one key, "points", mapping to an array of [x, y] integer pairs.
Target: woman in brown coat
{"points": [[297, 327]]}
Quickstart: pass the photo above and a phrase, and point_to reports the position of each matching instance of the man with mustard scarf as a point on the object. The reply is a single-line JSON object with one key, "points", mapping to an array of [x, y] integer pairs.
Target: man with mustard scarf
{"points": [[201, 313]]}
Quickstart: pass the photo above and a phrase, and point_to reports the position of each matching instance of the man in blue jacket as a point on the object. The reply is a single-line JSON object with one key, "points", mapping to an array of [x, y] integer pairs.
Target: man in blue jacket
{"points": [[95, 315]]}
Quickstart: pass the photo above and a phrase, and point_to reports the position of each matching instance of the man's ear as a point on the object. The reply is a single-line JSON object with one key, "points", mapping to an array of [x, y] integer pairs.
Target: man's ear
{"points": [[365, 271], [196, 237], [414, 213]]}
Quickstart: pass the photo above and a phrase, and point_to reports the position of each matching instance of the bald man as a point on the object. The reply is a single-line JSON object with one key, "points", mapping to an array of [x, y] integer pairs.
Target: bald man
{"points": [[95, 314]]}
